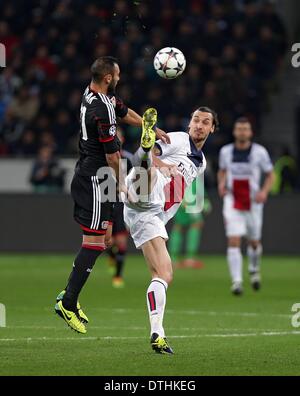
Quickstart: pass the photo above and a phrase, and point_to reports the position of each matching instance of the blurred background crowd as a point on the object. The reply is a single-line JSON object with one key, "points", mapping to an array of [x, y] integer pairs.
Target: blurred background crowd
{"points": [[234, 52]]}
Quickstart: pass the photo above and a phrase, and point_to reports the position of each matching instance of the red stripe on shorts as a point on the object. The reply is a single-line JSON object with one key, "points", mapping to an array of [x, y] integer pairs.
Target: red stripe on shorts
{"points": [[101, 232], [93, 247]]}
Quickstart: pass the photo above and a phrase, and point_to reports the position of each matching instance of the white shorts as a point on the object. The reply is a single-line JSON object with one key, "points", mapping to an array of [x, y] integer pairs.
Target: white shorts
{"points": [[147, 220], [242, 223], [144, 226]]}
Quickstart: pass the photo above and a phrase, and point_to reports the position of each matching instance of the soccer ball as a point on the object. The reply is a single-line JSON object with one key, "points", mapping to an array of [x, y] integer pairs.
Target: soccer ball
{"points": [[169, 62]]}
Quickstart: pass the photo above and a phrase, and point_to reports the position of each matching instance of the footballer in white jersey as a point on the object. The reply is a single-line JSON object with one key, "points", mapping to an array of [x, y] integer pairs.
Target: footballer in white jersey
{"points": [[170, 169], [242, 165], [167, 192]]}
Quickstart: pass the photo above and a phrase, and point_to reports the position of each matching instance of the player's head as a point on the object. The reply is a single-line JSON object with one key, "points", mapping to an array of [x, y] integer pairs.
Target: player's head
{"points": [[105, 70], [203, 122], [242, 130]]}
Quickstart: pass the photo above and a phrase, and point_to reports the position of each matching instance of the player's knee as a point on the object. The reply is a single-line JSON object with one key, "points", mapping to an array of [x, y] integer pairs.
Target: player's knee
{"points": [[121, 243], [168, 276], [197, 226], [254, 244], [177, 227], [169, 279], [234, 242], [122, 249]]}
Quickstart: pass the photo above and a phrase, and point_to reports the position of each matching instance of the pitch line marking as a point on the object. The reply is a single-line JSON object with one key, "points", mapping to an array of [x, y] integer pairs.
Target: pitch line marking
{"points": [[187, 312], [175, 311], [138, 328], [233, 335], [196, 312]]}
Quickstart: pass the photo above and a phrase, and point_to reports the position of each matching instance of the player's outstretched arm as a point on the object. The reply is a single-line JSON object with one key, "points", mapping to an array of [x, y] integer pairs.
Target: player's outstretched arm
{"points": [[162, 135], [132, 118]]}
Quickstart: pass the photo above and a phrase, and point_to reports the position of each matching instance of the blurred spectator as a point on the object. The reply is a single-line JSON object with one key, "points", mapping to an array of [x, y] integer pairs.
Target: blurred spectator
{"points": [[46, 175], [3, 147], [24, 106], [286, 174], [27, 145], [43, 63], [46, 138], [8, 38], [233, 50]]}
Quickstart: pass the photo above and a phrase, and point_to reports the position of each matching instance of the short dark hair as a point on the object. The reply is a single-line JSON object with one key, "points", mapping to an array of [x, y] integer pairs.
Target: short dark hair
{"points": [[206, 109], [242, 120], [102, 66]]}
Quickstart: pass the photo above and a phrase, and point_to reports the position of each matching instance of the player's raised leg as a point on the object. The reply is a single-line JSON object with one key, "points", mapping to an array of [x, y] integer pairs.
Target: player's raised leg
{"points": [[160, 266], [142, 160], [143, 156]]}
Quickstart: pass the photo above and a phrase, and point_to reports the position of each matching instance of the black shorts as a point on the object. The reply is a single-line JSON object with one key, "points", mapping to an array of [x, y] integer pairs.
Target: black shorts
{"points": [[92, 214], [119, 226]]}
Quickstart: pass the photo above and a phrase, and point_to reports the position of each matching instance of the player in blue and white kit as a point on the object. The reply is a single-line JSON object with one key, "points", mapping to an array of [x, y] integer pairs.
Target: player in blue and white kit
{"points": [[170, 168], [241, 166]]}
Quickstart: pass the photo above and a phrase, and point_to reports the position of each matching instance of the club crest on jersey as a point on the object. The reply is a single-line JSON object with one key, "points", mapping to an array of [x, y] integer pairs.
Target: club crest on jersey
{"points": [[112, 130], [113, 101], [104, 225]]}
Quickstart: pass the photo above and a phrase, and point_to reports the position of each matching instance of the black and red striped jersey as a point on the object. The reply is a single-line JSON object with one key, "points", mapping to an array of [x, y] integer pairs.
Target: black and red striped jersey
{"points": [[98, 130]]}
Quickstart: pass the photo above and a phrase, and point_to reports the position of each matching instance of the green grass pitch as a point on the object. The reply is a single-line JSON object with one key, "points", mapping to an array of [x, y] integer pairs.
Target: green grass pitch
{"points": [[211, 331]]}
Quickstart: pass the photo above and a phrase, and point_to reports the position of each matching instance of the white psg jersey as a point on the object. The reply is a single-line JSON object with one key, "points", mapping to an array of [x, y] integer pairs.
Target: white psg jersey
{"points": [[183, 153], [244, 169], [168, 193]]}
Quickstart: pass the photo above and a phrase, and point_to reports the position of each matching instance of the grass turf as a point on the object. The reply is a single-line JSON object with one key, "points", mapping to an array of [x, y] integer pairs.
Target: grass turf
{"points": [[211, 331]]}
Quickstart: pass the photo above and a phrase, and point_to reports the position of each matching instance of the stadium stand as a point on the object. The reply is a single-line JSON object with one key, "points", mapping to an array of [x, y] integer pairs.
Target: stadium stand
{"points": [[234, 51]]}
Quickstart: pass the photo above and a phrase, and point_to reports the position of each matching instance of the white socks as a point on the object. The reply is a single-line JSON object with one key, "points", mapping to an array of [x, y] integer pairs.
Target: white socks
{"points": [[142, 158], [235, 263], [156, 301], [254, 258]]}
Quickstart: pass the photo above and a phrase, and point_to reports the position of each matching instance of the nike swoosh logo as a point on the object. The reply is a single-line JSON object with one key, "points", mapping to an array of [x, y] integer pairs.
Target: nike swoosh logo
{"points": [[68, 317], [65, 314]]}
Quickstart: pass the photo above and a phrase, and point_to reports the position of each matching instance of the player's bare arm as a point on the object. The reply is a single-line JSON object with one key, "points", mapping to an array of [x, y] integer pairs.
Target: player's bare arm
{"points": [[222, 182], [161, 135], [167, 170], [113, 161], [132, 118], [262, 195]]}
